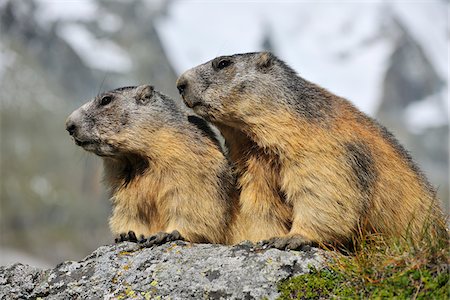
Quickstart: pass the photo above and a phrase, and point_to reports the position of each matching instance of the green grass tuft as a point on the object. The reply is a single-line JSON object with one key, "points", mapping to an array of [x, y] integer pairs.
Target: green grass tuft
{"points": [[378, 269]]}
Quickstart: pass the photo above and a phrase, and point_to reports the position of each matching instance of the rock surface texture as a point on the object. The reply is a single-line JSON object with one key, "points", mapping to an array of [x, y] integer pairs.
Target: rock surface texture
{"points": [[176, 270]]}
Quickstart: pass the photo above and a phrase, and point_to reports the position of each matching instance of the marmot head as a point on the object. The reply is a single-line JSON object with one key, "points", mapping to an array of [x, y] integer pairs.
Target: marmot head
{"points": [[121, 121], [226, 88]]}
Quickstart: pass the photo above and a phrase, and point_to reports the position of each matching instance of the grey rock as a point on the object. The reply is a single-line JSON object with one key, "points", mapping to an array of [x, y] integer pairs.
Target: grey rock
{"points": [[176, 270]]}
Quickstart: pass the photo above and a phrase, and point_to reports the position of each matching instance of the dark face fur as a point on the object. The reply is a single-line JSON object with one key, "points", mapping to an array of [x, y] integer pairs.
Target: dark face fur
{"points": [[112, 123]]}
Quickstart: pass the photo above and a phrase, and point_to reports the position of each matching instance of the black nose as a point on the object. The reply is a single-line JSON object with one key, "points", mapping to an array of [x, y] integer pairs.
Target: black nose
{"points": [[181, 86], [71, 127]]}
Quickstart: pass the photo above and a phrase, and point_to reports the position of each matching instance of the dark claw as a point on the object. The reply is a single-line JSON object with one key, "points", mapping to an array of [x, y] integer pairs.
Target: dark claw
{"points": [[142, 239], [123, 237], [132, 237]]}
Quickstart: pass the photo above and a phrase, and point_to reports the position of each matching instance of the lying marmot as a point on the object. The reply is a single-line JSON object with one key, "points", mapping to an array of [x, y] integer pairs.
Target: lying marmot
{"points": [[166, 170], [311, 167]]}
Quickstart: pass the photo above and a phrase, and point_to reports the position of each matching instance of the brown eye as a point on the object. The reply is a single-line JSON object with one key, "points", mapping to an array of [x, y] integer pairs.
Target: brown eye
{"points": [[105, 100], [222, 64]]}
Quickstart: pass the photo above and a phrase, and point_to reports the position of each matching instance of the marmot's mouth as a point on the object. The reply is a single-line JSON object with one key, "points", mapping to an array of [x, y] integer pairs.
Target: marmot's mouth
{"points": [[191, 104], [82, 143]]}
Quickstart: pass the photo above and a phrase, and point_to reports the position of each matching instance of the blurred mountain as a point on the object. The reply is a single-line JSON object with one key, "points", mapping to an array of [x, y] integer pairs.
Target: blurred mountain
{"points": [[412, 105], [389, 59]]}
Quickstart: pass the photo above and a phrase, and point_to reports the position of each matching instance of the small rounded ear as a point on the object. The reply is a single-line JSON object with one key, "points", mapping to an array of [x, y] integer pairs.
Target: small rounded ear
{"points": [[264, 60], [144, 94]]}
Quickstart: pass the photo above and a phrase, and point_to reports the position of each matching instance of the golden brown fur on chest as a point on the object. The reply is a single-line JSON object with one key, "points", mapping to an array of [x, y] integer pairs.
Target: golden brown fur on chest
{"points": [[262, 208], [177, 189], [138, 198]]}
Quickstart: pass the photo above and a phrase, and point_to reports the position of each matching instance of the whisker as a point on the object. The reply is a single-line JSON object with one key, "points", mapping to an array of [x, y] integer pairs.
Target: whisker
{"points": [[101, 85]]}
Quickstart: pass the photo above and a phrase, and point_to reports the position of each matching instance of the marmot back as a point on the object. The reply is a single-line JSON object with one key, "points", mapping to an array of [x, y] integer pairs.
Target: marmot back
{"points": [[311, 167], [165, 169]]}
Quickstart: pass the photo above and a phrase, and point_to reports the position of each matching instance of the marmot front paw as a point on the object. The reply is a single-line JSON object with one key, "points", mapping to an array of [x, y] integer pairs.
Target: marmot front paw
{"points": [[285, 243], [161, 238], [129, 237]]}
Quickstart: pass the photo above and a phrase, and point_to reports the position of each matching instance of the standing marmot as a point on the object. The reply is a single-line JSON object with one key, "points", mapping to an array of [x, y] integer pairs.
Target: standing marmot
{"points": [[311, 167], [166, 170]]}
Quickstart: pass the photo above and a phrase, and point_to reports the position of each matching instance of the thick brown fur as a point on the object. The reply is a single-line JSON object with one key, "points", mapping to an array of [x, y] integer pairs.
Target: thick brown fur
{"points": [[165, 169], [311, 167]]}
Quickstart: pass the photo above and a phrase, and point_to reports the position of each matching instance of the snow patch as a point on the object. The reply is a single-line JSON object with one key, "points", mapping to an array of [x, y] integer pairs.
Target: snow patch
{"points": [[195, 32], [7, 59], [96, 53], [110, 23], [427, 113], [418, 18], [50, 11]]}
